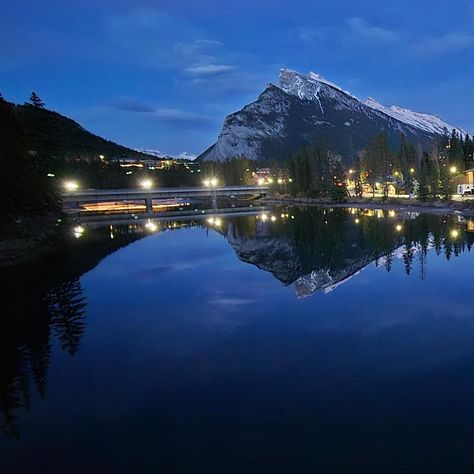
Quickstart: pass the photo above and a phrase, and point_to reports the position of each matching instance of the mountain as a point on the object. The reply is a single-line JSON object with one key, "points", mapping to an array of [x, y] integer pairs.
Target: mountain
{"points": [[308, 109], [51, 134], [164, 156]]}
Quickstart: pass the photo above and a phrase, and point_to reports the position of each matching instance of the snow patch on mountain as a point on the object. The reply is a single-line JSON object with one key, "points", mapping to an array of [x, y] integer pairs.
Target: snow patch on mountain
{"points": [[427, 122]]}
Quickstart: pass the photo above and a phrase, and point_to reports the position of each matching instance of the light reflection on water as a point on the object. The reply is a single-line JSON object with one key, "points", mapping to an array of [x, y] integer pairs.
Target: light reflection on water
{"points": [[292, 339]]}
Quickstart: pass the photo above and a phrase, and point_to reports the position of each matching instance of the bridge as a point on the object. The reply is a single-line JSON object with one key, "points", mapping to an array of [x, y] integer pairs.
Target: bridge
{"points": [[73, 199]]}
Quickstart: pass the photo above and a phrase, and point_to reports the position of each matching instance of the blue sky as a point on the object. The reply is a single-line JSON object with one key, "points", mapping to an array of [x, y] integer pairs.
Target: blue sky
{"points": [[164, 75]]}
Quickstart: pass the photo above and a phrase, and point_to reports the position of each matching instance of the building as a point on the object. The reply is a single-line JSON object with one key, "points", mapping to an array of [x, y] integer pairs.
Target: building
{"points": [[469, 174]]}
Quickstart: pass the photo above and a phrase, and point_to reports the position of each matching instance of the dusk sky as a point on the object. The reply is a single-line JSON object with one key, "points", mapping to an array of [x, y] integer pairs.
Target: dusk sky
{"points": [[163, 75]]}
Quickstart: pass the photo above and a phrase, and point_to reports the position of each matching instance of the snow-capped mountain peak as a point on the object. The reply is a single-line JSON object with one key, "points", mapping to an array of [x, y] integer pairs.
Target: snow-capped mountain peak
{"points": [[309, 87], [185, 156], [164, 156], [304, 109], [306, 86]]}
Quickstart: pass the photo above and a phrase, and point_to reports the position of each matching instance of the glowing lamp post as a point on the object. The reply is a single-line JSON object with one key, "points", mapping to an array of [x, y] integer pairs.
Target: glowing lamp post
{"points": [[146, 184], [71, 186], [212, 183]]}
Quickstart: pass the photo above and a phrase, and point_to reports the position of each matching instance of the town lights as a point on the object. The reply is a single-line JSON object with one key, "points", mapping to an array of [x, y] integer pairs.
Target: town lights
{"points": [[454, 234], [146, 183], [71, 186], [412, 170], [261, 182], [279, 181], [398, 227], [453, 170]]}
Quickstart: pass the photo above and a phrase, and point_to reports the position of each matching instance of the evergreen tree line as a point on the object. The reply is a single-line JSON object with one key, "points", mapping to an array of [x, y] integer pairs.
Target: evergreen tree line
{"points": [[315, 172], [24, 186]]}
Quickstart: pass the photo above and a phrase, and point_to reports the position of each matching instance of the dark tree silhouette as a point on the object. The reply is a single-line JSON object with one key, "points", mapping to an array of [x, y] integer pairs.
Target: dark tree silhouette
{"points": [[35, 101]]}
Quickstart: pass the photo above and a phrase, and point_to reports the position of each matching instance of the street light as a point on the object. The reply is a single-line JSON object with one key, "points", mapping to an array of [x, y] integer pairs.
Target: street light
{"points": [[453, 169], [146, 184], [78, 231], [210, 183], [454, 234], [71, 186], [412, 170], [398, 227]]}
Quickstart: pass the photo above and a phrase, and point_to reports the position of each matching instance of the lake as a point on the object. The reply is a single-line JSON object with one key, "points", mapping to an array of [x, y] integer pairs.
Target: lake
{"points": [[296, 340]]}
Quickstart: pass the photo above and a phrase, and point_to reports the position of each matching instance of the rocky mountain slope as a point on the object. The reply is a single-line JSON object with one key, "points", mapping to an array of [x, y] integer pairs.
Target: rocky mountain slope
{"points": [[308, 109]]}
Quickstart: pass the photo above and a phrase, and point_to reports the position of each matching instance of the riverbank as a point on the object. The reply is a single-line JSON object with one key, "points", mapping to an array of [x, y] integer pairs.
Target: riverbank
{"points": [[411, 205], [31, 239]]}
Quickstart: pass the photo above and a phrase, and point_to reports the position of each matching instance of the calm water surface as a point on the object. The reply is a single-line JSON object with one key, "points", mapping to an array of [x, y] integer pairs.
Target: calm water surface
{"points": [[315, 341]]}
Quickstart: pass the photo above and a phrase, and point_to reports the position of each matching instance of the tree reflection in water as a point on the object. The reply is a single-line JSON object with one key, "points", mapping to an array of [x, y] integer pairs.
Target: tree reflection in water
{"points": [[61, 313]]}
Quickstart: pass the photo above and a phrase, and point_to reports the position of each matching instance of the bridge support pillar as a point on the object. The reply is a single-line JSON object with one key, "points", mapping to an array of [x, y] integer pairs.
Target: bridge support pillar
{"points": [[214, 200], [149, 204]]}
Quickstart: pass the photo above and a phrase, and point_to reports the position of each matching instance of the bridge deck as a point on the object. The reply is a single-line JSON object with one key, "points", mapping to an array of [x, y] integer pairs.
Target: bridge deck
{"points": [[98, 195]]}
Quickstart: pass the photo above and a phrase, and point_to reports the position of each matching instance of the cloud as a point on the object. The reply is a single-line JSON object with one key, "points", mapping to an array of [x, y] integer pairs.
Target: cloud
{"points": [[448, 43], [308, 34], [200, 58], [131, 105], [209, 69], [361, 29], [178, 115], [161, 114]]}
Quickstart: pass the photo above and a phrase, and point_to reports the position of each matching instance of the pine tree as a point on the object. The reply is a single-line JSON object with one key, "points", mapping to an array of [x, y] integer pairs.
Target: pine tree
{"points": [[423, 182], [2, 99], [446, 183], [35, 101]]}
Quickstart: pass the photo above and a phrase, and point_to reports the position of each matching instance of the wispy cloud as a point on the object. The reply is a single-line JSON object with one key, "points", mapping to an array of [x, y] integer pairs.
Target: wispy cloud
{"points": [[310, 34], [202, 58], [449, 43], [363, 30], [132, 105], [209, 69], [162, 114], [178, 115]]}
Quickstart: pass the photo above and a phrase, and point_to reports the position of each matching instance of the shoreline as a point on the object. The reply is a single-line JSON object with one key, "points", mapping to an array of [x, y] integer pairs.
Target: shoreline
{"points": [[436, 207], [37, 237]]}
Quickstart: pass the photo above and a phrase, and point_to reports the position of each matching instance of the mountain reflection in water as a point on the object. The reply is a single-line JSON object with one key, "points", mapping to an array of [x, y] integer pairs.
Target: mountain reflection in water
{"points": [[312, 249], [318, 249]]}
